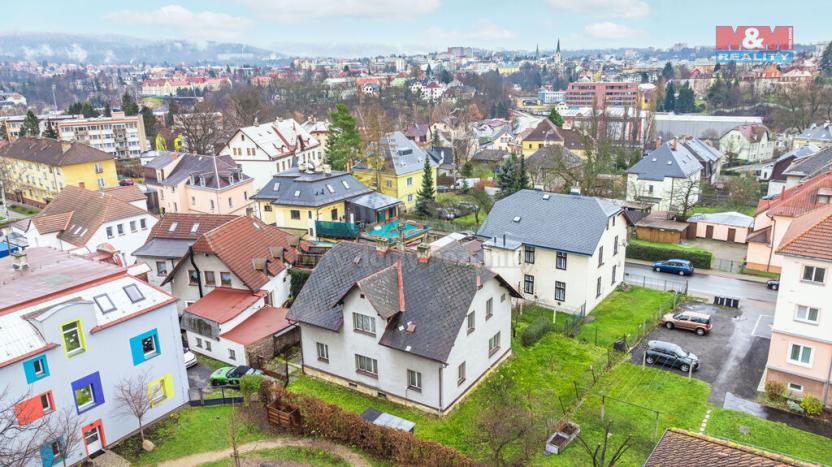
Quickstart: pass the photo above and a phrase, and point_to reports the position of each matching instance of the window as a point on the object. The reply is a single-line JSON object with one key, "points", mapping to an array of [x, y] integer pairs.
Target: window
{"points": [[364, 323], [104, 303], [143, 224], [814, 274], [600, 256], [210, 278], [133, 293], [494, 344], [120, 229], [160, 390], [144, 346], [528, 284], [109, 232], [46, 402], [366, 365], [410, 197], [161, 268], [388, 183], [615, 245], [208, 345], [29, 410], [98, 168], [414, 380], [334, 214], [193, 277], [560, 291], [193, 200], [800, 354], [560, 261], [225, 279], [612, 278], [230, 202], [133, 227], [232, 354], [489, 308], [460, 374], [795, 387], [199, 342], [267, 208], [409, 181], [73, 338], [529, 256], [211, 204], [36, 369], [502, 298], [87, 392], [295, 214], [807, 313], [101, 183], [323, 352], [472, 321], [598, 287]]}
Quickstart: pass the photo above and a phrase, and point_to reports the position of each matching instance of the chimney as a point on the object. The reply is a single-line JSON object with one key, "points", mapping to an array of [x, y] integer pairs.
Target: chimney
{"points": [[658, 142], [276, 252], [20, 259], [675, 143], [65, 146], [382, 246], [423, 252], [575, 190], [327, 169], [302, 167]]}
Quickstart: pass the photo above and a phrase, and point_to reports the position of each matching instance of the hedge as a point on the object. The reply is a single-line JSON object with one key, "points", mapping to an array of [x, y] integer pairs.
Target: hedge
{"points": [[535, 330], [657, 252], [332, 422], [298, 277]]}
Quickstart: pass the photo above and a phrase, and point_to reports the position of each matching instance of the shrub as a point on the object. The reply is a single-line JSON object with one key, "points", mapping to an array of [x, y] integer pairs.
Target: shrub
{"points": [[775, 390], [811, 405], [657, 252], [249, 385], [535, 330], [299, 277]]}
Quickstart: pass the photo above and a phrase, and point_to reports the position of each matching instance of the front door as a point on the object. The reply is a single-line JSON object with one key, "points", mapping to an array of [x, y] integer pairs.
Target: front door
{"points": [[93, 439], [732, 234], [709, 231]]}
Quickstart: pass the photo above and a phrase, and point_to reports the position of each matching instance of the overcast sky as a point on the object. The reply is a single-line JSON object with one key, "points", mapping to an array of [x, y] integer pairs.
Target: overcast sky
{"points": [[359, 27]]}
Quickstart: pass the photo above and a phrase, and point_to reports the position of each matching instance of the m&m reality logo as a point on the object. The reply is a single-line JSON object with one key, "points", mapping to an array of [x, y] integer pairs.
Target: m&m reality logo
{"points": [[755, 44]]}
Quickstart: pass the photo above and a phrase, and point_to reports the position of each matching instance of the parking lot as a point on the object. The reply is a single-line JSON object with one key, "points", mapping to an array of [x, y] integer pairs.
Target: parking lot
{"points": [[732, 356]]}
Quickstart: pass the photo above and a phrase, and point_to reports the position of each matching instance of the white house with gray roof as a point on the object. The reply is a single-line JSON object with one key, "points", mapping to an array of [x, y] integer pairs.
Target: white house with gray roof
{"points": [[665, 177], [419, 330], [562, 251]]}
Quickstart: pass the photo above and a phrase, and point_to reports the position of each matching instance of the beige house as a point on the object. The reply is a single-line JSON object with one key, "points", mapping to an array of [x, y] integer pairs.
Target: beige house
{"points": [[725, 226], [748, 143], [197, 184]]}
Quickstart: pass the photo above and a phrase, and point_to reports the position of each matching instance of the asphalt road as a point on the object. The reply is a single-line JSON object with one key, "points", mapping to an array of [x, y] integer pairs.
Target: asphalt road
{"points": [[704, 285]]}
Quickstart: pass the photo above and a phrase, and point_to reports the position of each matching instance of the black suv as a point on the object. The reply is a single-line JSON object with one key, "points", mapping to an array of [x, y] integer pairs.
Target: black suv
{"points": [[668, 354]]}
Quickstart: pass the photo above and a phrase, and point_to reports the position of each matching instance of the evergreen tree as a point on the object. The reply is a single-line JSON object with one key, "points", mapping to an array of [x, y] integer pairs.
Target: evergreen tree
{"points": [[74, 108], [667, 71], [445, 76], [685, 102], [31, 125], [87, 110], [670, 97], [521, 181], [506, 177], [429, 72], [425, 196], [717, 67], [50, 131], [555, 118], [346, 69], [435, 138], [149, 122], [826, 60], [3, 131], [108, 112], [129, 105], [344, 141]]}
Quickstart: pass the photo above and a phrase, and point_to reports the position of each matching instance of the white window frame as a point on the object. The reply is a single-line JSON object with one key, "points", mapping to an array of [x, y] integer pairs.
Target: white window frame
{"points": [[815, 270], [150, 353], [807, 310], [38, 362], [88, 404], [48, 407], [471, 321], [232, 354], [800, 361], [323, 351], [102, 300], [157, 392], [494, 344], [366, 365], [794, 389], [414, 380], [363, 323]]}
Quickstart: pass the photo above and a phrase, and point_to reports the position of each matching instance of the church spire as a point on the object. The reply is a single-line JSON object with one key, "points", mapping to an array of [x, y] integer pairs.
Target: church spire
{"points": [[558, 48], [537, 52]]}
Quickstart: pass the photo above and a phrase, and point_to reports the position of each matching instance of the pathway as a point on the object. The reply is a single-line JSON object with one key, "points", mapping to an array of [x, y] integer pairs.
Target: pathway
{"points": [[348, 455]]}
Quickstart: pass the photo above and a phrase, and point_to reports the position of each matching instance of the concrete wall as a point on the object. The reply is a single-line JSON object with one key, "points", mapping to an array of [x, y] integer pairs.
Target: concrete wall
{"points": [[720, 232]]}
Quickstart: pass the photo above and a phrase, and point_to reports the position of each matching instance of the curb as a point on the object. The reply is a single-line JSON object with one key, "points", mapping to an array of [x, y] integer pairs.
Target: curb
{"points": [[708, 272]]}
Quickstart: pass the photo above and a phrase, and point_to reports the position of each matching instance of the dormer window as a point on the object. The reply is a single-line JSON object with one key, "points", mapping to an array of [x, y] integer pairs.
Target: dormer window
{"points": [[201, 181], [192, 180], [231, 179]]}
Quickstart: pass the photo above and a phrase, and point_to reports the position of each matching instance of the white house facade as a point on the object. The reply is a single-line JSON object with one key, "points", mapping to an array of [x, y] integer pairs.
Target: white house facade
{"points": [[666, 177]]}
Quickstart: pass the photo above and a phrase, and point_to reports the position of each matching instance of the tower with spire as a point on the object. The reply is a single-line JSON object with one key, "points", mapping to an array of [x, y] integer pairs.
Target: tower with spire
{"points": [[557, 53], [537, 52]]}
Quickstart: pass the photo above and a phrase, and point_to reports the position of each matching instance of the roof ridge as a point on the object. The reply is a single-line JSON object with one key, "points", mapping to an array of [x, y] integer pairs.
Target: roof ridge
{"points": [[807, 229], [741, 447]]}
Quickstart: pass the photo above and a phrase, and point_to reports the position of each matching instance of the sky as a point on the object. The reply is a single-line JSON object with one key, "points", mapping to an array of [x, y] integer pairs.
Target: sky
{"points": [[368, 27]]}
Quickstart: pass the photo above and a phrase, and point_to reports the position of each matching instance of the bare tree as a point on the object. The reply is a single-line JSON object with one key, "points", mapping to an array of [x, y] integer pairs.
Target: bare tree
{"points": [[131, 393], [246, 104], [599, 454], [19, 441], [64, 432], [234, 433], [683, 196], [200, 129]]}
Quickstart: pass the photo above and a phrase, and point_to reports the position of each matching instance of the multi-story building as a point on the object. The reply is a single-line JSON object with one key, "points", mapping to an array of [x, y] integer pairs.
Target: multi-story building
{"points": [[564, 251], [72, 332], [667, 177], [267, 149], [39, 168], [800, 354], [14, 122], [119, 135], [819, 135], [400, 173], [419, 330], [193, 183], [748, 143], [82, 222], [602, 94], [547, 134]]}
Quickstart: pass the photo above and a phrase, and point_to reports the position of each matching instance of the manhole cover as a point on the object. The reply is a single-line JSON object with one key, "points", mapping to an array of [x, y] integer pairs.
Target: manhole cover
{"points": [[744, 429]]}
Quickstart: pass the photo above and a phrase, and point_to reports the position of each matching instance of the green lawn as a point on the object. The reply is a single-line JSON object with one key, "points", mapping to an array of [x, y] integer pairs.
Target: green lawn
{"points": [[25, 210], [313, 457], [770, 436], [622, 312], [747, 210], [669, 246], [766, 274], [210, 362], [189, 431]]}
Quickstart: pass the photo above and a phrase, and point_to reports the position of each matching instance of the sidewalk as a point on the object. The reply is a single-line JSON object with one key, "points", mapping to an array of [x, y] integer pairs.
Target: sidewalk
{"points": [[709, 272]]}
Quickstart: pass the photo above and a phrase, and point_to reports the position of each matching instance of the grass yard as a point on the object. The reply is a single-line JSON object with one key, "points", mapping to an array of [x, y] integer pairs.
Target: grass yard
{"points": [[766, 274], [770, 436], [747, 210], [669, 246], [550, 365], [22, 209], [189, 431], [210, 362], [622, 312], [313, 457]]}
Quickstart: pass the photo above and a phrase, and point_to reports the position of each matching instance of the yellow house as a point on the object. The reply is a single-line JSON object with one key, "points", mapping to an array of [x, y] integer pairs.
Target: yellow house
{"points": [[401, 173], [37, 169], [547, 134]]}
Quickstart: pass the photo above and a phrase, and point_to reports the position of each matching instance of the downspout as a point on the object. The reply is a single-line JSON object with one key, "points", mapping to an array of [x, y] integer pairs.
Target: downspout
{"points": [[825, 384], [196, 268], [771, 244], [441, 407]]}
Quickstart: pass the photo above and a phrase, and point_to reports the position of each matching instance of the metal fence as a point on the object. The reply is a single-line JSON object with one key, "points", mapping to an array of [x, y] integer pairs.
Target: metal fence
{"points": [[658, 284], [727, 265]]}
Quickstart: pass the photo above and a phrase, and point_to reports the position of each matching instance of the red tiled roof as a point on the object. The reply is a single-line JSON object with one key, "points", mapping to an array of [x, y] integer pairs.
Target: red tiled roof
{"points": [[797, 200], [185, 223], [52, 152], [126, 193], [545, 131], [265, 322], [679, 447], [52, 223], [223, 304], [809, 235]]}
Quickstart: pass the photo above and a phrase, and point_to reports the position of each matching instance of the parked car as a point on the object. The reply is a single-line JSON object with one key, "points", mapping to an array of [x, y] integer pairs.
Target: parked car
{"points": [[230, 375], [126, 182], [681, 267], [190, 359], [442, 188], [669, 354], [773, 284], [688, 320]]}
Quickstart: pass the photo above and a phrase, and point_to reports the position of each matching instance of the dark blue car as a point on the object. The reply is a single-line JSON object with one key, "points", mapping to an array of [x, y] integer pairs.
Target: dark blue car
{"points": [[681, 267]]}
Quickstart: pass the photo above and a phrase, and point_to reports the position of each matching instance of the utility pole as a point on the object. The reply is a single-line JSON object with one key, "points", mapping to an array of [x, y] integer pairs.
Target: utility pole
{"points": [[54, 100]]}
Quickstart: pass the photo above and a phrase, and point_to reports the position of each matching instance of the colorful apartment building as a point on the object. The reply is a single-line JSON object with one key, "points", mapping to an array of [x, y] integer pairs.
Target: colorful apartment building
{"points": [[600, 94], [72, 331], [39, 168], [119, 135]]}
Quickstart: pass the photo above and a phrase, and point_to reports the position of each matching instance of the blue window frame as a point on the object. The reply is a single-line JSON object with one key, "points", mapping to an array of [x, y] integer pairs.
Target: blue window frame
{"points": [[36, 368], [50, 453], [145, 346], [88, 392]]}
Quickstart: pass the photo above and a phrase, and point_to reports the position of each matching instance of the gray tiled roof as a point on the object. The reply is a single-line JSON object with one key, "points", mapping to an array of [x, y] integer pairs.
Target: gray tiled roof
{"points": [[214, 169], [570, 223], [403, 155], [811, 165], [295, 188], [665, 162], [437, 295], [164, 248], [375, 200], [735, 219], [703, 151], [818, 133]]}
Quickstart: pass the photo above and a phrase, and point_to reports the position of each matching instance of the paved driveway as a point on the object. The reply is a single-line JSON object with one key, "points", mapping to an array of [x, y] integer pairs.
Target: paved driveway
{"points": [[198, 376], [733, 355]]}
